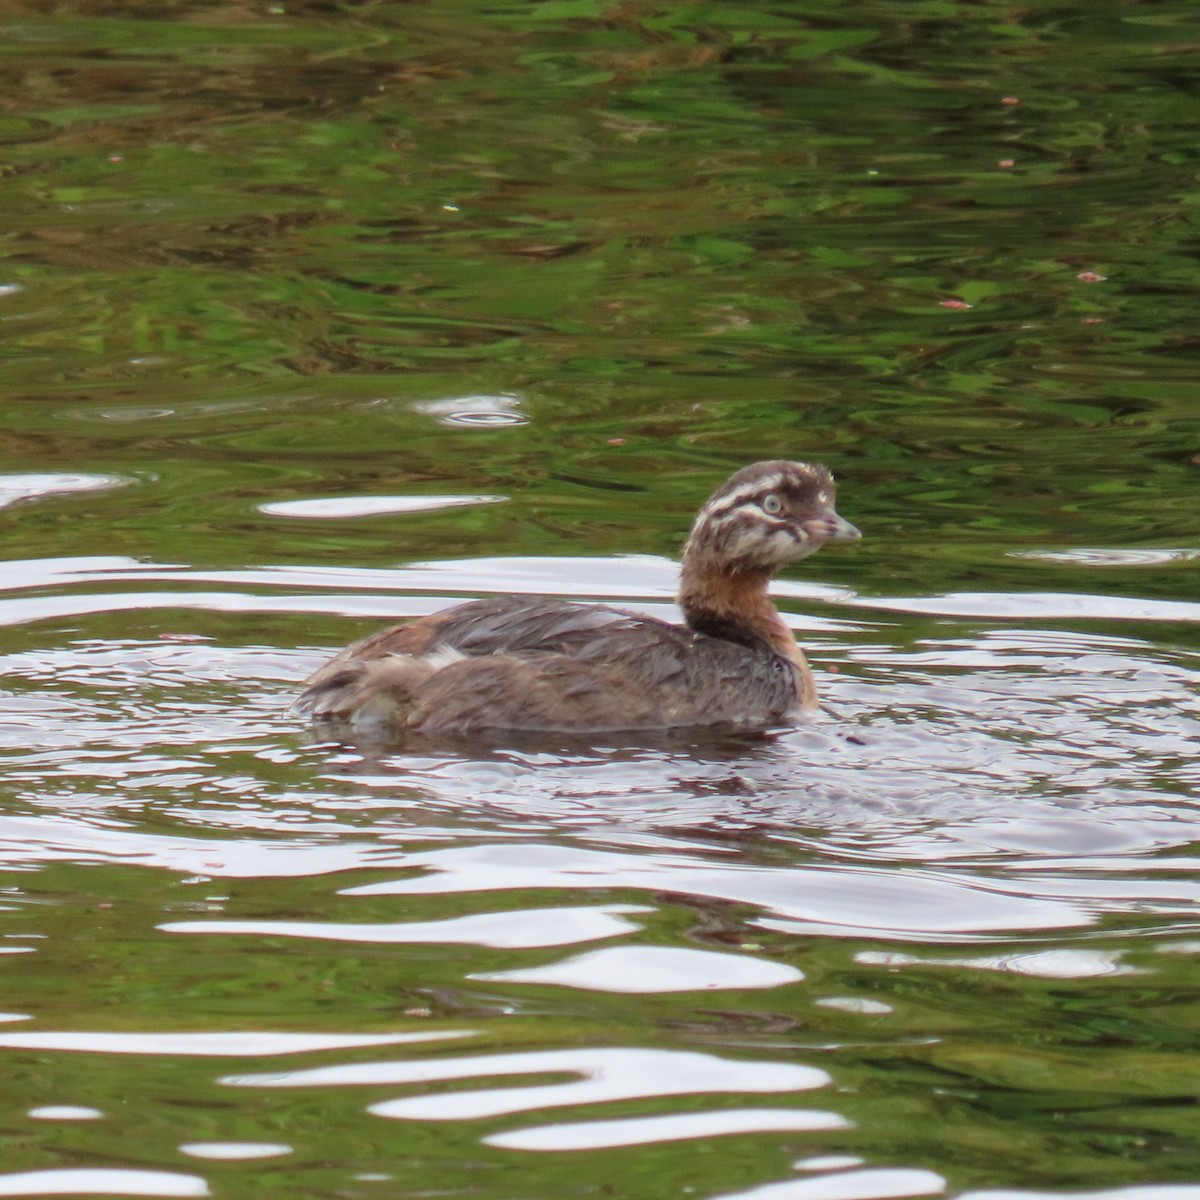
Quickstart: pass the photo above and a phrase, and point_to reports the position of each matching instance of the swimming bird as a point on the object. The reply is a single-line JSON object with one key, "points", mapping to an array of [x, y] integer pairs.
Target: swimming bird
{"points": [[531, 663]]}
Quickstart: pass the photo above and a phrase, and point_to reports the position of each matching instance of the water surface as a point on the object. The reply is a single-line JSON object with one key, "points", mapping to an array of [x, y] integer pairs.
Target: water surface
{"points": [[318, 316]]}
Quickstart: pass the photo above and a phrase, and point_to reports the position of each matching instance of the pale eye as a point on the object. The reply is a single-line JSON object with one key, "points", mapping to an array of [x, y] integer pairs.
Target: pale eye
{"points": [[773, 505]]}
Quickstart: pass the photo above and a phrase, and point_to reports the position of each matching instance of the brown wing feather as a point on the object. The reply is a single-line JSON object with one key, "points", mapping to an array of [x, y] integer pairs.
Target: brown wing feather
{"points": [[513, 624], [520, 662], [542, 692], [412, 637]]}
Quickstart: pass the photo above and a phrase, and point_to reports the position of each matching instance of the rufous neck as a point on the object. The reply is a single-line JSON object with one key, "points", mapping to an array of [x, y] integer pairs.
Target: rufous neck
{"points": [[735, 606], [730, 604]]}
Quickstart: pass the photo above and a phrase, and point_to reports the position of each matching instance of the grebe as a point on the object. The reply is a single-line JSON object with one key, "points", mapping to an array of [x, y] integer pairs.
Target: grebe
{"points": [[527, 663]]}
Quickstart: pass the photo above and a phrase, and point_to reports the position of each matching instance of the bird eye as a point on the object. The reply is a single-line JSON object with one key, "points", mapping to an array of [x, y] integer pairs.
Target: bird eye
{"points": [[772, 504]]}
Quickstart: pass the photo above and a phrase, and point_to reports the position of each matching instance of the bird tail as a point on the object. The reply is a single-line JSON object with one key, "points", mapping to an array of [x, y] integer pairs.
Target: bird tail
{"points": [[375, 690]]}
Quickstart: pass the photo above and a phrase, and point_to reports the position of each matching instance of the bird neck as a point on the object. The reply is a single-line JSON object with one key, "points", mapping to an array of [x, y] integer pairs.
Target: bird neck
{"points": [[729, 604], [735, 606]]}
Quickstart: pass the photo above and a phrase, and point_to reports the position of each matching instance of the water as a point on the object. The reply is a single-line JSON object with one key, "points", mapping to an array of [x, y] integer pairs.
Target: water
{"points": [[318, 316]]}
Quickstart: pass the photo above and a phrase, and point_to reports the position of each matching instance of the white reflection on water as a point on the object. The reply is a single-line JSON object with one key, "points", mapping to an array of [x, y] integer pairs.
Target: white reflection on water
{"points": [[1058, 963], [640, 970], [14, 488], [828, 1162], [99, 1181], [1110, 557], [341, 507], [29, 840], [235, 1151], [607, 1075], [65, 1112], [1145, 1191], [507, 930], [856, 1004], [857, 899], [644, 1131], [476, 410], [634, 576], [877, 1183], [215, 1045], [1041, 606]]}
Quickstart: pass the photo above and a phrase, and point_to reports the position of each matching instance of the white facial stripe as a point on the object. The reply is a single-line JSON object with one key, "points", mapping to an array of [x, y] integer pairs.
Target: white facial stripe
{"points": [[742, 493], [783, 545], [747, 543], [756, 490], [779, 546], [748, 512]]}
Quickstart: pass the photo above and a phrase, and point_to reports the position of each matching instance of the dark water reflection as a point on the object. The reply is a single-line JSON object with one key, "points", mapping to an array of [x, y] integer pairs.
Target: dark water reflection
{"points": [[316, 316]]}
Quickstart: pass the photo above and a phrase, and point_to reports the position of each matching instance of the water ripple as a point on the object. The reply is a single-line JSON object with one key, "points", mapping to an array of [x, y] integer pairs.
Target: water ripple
{"points": [[99, 1181], [501, 930], [644, 1131], [608, 1074], [640, 970], [873, 1184]]}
